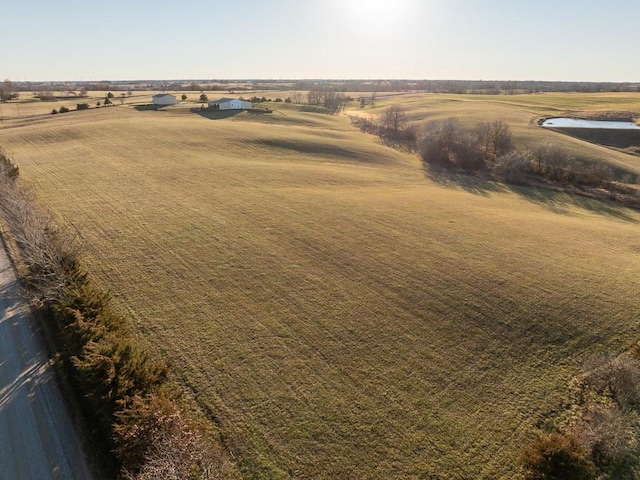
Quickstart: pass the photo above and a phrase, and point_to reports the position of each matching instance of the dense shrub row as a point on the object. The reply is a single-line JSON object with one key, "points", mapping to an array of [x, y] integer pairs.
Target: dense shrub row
{"points": [[63, 109], [446, 143], [553, 164], [488, 151], [79, 106], [128, 403]]}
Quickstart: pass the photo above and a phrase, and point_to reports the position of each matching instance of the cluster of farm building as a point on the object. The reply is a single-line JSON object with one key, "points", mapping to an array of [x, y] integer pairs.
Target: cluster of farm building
{"points": [[166, 99]]}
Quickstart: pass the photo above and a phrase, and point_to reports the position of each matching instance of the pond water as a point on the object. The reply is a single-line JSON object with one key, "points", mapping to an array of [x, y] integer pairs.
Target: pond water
{"points": [[578, 123]]}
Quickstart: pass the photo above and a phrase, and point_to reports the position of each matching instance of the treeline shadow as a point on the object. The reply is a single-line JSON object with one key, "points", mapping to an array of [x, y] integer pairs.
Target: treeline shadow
{"points": [[318, 109], [560, 202], [555, 200], [469, 183], [325, 150]]}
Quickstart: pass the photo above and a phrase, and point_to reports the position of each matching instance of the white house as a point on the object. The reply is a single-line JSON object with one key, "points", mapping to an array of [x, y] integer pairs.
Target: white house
{"points": [[230, 104], [164, 100]]}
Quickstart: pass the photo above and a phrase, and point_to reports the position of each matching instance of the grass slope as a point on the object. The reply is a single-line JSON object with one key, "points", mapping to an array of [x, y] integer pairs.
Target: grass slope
{"points": [[337, 312]]}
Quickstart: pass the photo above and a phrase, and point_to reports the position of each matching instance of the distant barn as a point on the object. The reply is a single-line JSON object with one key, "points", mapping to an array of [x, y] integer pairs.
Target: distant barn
{"points": [[164, 100], [230, 104]]}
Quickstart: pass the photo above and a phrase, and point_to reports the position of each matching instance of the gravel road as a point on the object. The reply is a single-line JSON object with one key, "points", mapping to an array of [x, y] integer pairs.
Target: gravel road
{"points": [[37, 437]]}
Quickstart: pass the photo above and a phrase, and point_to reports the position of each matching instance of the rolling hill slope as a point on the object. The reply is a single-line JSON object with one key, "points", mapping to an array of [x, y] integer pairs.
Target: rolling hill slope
{"points": [[337, 312]]}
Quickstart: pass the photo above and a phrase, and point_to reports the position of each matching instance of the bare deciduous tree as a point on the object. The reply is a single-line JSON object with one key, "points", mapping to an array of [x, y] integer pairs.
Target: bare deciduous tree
{"points": [[329, 99], [297, 97], [49, 252], [437, 139], [314, 97], [6, 91], [364, 124], [446, 142], [513, 167], [393, 119], [494, 139]]}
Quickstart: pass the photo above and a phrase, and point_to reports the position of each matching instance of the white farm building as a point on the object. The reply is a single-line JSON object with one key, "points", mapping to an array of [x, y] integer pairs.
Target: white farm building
{"points": [[230, 104], [164, 100]]}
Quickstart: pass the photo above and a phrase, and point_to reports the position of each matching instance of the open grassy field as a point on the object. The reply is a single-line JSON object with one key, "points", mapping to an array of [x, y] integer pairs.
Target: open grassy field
{"points": [[335, 310]]}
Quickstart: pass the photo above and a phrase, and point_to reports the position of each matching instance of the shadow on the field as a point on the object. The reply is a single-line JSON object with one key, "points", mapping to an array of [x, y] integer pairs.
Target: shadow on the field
{"points": [[144, 108], [556, 200], [562, 202], [469, 183], [216, 114], [212, 114]]}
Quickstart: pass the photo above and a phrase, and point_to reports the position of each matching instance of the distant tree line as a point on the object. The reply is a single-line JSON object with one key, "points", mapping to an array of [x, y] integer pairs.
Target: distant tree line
{"points": [[465, 86], [255, 99], [488, 87]]}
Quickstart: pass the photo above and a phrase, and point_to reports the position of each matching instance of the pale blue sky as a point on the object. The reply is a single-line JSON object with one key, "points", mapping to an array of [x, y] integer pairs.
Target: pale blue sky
{"points": [[576, 40]]}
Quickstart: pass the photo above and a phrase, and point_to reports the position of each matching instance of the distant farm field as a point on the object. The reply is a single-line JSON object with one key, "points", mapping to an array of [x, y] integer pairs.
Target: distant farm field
{"points": [[335, 310]]}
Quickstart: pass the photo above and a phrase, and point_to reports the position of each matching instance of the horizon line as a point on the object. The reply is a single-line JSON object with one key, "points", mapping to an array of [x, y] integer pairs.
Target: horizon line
{"points": [[311, 79]]}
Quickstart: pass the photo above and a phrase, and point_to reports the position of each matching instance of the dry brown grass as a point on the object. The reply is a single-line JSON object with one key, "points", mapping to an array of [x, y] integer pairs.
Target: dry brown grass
{"points": [[336, 312]]}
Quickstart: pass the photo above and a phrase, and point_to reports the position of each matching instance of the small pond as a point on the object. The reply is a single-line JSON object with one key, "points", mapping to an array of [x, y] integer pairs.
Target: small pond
{"points": [[578, 123]]}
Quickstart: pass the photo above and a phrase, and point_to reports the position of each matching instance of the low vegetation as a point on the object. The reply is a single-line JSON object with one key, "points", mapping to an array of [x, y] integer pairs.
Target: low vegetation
{"points": [[557, 457], [600, 427]]}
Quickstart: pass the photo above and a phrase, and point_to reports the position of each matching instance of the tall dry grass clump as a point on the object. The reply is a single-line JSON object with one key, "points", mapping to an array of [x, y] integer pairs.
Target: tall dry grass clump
{"points": [[129, 406]]}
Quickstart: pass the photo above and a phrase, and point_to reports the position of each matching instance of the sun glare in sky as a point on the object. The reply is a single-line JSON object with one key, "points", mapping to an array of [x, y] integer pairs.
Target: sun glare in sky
{"points": [[376, 17], [587, 40]]}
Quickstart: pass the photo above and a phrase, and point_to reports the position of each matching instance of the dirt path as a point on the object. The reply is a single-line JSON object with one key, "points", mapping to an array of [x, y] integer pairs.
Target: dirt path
{"points": [[37, 438]]}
